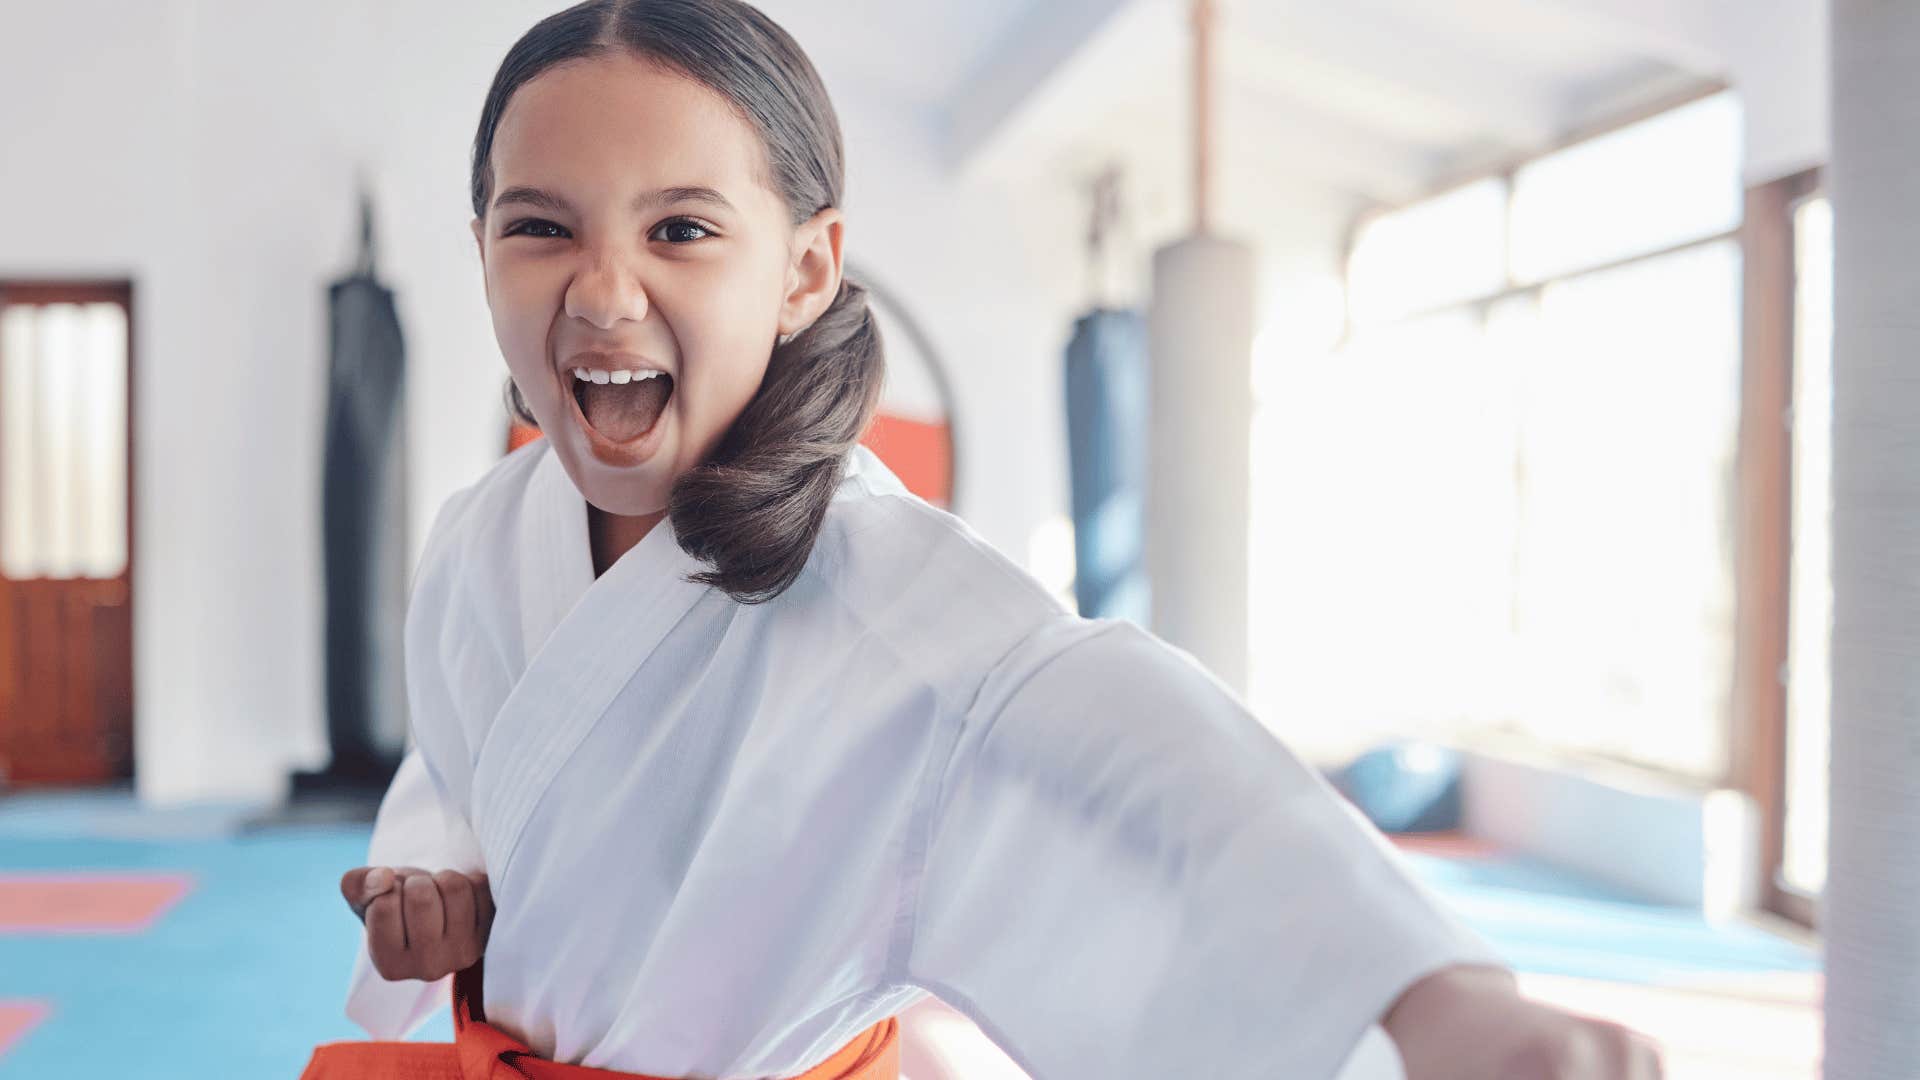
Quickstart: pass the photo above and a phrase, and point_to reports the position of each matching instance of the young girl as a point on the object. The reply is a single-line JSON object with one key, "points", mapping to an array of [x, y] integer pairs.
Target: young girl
{"points": [[728, 749]]}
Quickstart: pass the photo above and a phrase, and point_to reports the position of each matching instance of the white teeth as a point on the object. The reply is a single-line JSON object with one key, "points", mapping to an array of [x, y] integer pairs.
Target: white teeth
{"points": [[615, 377]]}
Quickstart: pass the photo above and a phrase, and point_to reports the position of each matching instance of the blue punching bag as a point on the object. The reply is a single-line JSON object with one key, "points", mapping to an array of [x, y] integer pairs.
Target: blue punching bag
{"points": [[1106, 436], [1404, 786]]}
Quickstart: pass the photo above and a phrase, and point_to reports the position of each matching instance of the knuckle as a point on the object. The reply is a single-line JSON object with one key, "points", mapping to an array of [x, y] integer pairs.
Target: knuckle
{"points": [[379, 911], [420, 894]]}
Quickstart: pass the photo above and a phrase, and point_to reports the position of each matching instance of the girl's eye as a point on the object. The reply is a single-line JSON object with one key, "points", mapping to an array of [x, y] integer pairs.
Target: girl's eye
{"points": [[678, 231], [679, 228], [532, 227]]}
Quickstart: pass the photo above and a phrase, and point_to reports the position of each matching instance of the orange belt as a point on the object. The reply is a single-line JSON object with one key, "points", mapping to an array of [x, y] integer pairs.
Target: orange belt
{"points": [[480, 1051]]}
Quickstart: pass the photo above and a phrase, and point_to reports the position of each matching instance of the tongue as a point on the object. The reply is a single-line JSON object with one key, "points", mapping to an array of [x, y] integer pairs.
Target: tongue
{"points": [[623, 413]]}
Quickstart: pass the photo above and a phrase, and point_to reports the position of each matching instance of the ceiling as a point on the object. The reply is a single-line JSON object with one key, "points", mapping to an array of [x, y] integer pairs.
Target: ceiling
{"points": [[1323, 109]]}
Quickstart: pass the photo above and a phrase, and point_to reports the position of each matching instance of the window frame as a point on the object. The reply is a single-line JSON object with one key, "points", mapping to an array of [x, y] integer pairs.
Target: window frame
{"points": [[1764, 543]]}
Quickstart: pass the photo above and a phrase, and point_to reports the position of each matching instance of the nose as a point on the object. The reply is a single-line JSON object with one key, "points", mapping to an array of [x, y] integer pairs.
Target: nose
{"points": [[606, 291]]}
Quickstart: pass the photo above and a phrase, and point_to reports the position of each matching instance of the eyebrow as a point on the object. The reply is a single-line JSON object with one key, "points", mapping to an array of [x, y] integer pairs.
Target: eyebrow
{"points": [[546, 200]]}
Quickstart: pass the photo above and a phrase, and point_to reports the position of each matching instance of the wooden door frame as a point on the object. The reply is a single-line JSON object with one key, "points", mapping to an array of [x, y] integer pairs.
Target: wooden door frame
{"points": [[1764, 541], [116, 291]]}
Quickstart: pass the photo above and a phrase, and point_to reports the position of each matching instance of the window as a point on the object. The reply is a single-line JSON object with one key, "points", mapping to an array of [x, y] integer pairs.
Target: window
{"points": [[1450, 248], [1504, 502], [63, 449], [1382, 528], [1624, 590]]}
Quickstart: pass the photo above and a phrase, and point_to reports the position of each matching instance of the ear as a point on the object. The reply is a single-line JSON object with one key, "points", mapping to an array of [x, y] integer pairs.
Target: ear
{"points": [[813, 277], [479, 243]]}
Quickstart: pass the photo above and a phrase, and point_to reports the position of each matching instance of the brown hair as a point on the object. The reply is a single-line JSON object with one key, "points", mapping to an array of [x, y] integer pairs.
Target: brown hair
{"points": [[753, 509]]}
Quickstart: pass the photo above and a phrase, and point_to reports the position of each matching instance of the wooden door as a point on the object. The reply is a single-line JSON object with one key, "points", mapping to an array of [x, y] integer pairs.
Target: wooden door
{"points": [[66, 551]]}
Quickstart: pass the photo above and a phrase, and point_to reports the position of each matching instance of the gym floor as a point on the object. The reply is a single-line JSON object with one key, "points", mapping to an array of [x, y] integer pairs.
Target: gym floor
{"points": [[175, 943]]}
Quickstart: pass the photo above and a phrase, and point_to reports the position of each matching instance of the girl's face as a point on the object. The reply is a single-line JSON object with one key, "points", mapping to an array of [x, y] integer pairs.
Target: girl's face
{"points": [[629, 229]]}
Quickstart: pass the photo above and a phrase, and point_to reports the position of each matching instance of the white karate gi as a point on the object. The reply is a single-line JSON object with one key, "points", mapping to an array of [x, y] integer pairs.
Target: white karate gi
{"points": [[724, 839]]}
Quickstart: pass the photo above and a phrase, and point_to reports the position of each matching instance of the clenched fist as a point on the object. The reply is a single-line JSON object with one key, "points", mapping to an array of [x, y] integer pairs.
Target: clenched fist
{"points": [[420, 924]]}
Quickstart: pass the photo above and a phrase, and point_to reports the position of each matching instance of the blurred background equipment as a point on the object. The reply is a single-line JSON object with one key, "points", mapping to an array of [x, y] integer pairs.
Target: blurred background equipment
{"points": [[917, 428], [365, 522], [1200, 334], [1406, 786], [1107, 427]]}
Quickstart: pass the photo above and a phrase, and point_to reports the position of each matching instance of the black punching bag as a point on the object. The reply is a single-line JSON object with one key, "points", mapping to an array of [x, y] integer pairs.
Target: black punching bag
{"points": [[364, 522]]}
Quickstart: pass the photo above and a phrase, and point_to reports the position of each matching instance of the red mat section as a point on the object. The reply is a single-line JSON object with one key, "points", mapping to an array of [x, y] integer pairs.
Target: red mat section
{"points": [[105, 903], [17, 1018], [917, 452]]}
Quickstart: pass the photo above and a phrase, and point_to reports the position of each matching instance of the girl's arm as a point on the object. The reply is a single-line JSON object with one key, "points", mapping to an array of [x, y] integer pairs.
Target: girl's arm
{"points": [[1126, 875]]}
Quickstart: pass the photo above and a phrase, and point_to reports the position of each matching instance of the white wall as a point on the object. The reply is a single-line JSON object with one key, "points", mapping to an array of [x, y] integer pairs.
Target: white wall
{"points": [[208, 151]]}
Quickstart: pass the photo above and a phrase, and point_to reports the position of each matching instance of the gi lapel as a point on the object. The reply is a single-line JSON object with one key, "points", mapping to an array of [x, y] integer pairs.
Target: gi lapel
{"points": [[555, 559], [585, 639]]}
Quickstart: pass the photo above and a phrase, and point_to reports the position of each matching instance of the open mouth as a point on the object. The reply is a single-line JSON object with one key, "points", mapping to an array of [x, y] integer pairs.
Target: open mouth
{"points": [[623, 412]]}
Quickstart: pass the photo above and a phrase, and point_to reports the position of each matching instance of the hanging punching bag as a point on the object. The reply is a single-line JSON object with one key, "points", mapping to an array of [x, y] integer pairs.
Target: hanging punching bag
{"points": [[1107, 452], [365, 525], [1199, 473]]}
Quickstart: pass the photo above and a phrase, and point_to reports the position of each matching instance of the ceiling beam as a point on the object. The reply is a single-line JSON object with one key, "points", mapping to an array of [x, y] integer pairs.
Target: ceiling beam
{"points": [[1035, 48], [1342, 53]]}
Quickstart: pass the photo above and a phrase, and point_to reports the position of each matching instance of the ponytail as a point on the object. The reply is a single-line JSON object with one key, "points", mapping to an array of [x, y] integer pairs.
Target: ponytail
{"points": [[754, 509]]}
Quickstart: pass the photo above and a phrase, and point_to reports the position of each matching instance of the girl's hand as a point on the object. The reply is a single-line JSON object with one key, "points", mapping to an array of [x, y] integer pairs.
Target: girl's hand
{"points": [[1469, 1022], [420, 925]]}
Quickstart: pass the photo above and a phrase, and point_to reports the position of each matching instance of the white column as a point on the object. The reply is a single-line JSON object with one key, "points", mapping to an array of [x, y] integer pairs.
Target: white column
{"points": [[1872, 908], [1201, 340]]}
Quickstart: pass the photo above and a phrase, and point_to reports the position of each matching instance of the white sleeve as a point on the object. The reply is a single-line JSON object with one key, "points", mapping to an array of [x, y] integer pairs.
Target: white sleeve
{"points": [[414, 828], [420, 821], [1127, 875]]}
